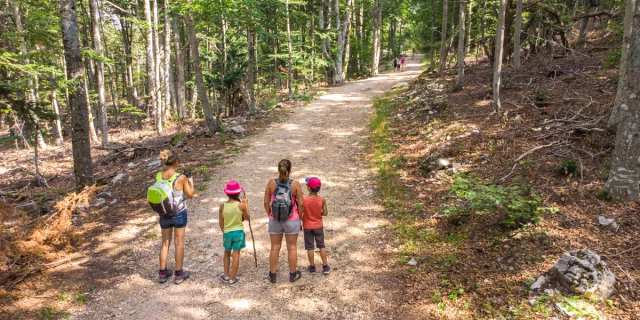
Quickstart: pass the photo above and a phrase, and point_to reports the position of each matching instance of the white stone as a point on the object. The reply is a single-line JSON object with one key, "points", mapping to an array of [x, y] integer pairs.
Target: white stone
{"points": [[400, 84], [475, 132], [611, 223], [117, 178], [539, 283], [237, 129], [154, 163], [412, 262]]}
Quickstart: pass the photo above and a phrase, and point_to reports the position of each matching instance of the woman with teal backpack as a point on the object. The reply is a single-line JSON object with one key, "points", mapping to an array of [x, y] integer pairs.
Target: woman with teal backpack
{"points": [[174, 224]]}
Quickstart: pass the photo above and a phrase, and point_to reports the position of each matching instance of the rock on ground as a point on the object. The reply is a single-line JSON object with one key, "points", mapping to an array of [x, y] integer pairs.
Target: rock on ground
{"points": [[583, 272]]}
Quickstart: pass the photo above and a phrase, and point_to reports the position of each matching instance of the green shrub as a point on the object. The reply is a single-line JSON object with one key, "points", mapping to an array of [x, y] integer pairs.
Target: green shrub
{"points": [[612, 59], [568, 167], [515, 205], [542, 96]]}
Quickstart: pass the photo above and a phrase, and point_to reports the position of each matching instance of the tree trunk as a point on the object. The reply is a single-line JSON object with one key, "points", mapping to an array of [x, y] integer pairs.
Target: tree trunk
{"points": [[151, 62], [377, 23], [167, 60], [342, 29], [625, 167], [468, 41], [31, 100], [56, 110], [180, 82], [290, 64], [584, 23], [461, 38], [612, 124], [211, 123], [443, 38], [251, 70], [432, 48], [347, 38], [497, 71], [516, 36], [97, 43], [159, 74], [82, 166]]}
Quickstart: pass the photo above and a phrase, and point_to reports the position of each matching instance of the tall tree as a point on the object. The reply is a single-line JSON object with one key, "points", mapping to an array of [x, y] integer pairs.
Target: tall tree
{"points": [[211, 123], [290, 62], [97, 43], [499, 50], [82, 166], [516, 35], [624, 176], [166, 62], [251, 70], [151, 61], [377, 25], [180, 81], [612, 124], [443, 38], [158, 68], [461, 38]]}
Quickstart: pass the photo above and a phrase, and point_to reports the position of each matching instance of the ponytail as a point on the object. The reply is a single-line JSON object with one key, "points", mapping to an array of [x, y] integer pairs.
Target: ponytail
{"points": [[284, 169]]}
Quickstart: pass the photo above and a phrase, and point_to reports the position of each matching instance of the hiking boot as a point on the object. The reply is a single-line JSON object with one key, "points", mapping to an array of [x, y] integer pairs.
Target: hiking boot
{"points": [[224, 278], [163, 275], [272, 277], [234, 282], [180, 276], [326, 269], [312, 269], [293, 277]]}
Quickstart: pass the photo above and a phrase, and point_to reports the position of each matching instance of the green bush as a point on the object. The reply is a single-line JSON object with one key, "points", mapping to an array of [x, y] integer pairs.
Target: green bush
{"points": [[515, 205], [568, 167], [613, 58]]}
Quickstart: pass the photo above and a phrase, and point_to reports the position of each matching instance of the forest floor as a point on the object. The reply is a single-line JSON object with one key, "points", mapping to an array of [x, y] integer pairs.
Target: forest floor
{"points": [[327, 138], [466, 248]]}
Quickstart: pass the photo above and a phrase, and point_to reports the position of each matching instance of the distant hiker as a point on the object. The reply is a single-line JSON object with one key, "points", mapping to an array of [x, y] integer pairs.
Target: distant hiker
{"points": [[166, 197], [315, 208], [231, 214], [403, 62], [396, 64], [283, 202]]}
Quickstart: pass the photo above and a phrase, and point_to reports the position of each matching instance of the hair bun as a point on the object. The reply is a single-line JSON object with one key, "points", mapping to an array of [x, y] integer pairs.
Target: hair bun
{"points": [[164, 155]]}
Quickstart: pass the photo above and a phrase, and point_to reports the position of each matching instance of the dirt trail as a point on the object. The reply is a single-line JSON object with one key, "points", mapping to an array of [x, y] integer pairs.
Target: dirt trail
{"points": [[325, 138]]}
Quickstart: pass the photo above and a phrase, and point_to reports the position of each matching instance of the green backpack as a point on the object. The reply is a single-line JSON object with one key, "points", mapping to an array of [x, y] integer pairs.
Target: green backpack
{"points": [[160, 196]]}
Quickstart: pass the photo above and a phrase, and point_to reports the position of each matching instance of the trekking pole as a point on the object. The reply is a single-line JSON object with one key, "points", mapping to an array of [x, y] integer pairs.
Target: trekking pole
{"points": [[253, 241]]}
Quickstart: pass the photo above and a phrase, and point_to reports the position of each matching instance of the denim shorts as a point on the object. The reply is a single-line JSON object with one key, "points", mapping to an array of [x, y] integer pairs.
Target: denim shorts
{"points": [[233, 240], [286, 227], [179, 220]]}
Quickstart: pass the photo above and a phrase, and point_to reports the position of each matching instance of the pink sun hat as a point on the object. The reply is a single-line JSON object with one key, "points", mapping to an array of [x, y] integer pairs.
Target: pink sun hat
{"points": [[233, 187]]}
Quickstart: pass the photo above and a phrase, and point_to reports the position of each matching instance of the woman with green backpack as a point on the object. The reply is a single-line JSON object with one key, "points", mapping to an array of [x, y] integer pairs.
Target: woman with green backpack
{"points": [[166, 197]]}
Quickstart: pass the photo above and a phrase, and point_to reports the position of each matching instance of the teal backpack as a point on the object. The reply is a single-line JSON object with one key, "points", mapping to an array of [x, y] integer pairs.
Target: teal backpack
{"points": [[160, 196]]}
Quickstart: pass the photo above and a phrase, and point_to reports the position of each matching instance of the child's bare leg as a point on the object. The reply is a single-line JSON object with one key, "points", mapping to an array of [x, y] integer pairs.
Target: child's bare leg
{"points": [[227, 258], [235, 264], [323, 255], [311, 256]]}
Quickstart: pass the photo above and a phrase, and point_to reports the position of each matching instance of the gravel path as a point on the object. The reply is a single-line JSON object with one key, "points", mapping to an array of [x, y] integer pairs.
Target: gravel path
{"points": [[325, 138]]}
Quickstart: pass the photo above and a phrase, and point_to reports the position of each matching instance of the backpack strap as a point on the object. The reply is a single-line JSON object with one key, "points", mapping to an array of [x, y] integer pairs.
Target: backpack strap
{"points": [[171, 180]]}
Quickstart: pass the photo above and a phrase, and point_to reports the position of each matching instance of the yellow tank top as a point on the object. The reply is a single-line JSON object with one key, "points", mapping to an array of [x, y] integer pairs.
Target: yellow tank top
{"points": [[232, 217]]}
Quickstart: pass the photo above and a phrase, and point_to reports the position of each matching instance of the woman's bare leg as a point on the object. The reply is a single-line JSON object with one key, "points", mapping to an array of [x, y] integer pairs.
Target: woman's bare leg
{"points": [[164, 249], [292, 251], [179, 243], [276, 242]]}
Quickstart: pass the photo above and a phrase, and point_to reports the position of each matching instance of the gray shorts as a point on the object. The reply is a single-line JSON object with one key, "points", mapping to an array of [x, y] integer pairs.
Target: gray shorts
{"points": [[286, 227]]}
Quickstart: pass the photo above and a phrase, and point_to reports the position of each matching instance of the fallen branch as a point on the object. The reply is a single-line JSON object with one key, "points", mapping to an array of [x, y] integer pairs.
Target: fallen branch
{"points": [[522, 156], [625, 251]]}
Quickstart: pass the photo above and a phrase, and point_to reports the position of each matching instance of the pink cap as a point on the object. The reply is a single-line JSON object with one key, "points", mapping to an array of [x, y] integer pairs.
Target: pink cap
{"points": [[233, 187], [313, 182]]}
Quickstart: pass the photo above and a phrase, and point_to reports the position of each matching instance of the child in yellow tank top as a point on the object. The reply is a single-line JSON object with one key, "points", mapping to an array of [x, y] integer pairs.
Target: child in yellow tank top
{"points": [[230, 217]]}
